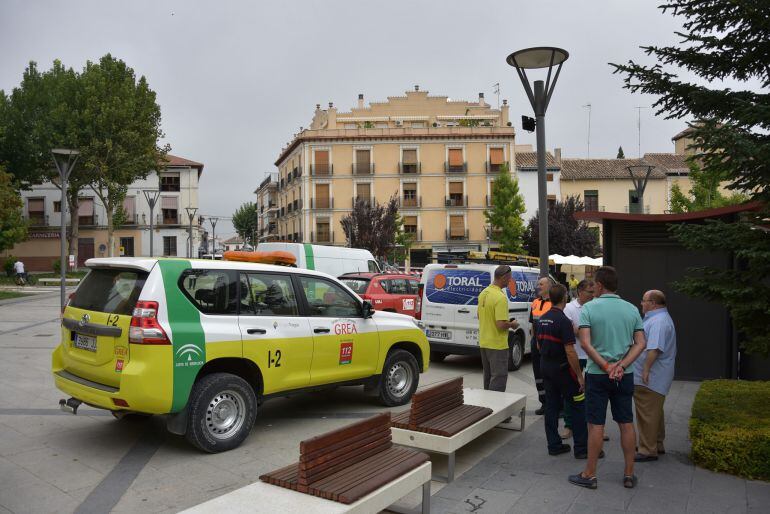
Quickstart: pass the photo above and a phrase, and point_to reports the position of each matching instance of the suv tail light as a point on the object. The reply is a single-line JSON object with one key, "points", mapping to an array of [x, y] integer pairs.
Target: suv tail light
{"points": [[145, 328], [418, 302], [66, 304]]}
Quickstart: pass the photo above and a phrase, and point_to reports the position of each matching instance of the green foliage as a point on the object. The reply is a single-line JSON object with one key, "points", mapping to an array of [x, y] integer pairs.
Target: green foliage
{"points": [[57, 266], [566, 235], [246, 221], [372, 226], [368, 124], [402, 242], [743, 291], [620, 155], [13, 228], [730, 428], [704, 193], [8, 265], [505, 215]]}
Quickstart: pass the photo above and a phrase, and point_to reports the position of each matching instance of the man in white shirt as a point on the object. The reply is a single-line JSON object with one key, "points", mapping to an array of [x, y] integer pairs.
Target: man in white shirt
{"points": [[585, 293], [18, 268]]}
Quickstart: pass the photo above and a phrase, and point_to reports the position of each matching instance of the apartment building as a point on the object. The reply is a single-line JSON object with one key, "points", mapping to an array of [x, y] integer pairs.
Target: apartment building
{"points": [[177, 184], [438, 156], [526, 171], [267, 206]]}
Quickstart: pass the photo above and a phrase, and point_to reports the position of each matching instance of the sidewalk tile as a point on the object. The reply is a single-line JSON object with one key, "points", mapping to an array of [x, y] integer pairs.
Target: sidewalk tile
{"points": [[758, 494], [517, 482], [717, 503]]}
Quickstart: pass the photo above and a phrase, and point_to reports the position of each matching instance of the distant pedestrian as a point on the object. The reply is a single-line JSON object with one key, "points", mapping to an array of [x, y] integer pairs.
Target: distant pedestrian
{"points": [[493, 330], [573, 285], [585, 293], [562, 376], [608, 324], [540, 306], [21, 275], [653, 374]]}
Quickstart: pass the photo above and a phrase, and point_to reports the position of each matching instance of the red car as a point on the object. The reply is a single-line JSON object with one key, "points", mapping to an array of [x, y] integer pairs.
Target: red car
{"points": [[386, 291]]}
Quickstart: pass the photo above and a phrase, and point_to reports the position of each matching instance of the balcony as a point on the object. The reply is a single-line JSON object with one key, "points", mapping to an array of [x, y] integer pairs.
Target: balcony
{"points": [[496, 168], [322, 203], [165, 220], [409, 169], [322, 237], [131, 219], [362, 168], [365, 199], [296, 172], [416, 234], [415, 201], [321, 170], [489, 201], [456, 201], [36, 219], [463, 237], [455, 168], [636, 209]]}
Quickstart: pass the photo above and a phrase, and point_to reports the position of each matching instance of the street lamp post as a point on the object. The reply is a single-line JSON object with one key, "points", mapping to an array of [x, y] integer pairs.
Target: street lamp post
{"points": [[65, 160], [532, 59], [151, 195], [640, 174], [191, 214], [213, 222]]}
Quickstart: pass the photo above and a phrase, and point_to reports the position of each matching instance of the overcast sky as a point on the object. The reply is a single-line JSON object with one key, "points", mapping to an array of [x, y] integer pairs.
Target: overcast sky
{"points": [[235, 79]]}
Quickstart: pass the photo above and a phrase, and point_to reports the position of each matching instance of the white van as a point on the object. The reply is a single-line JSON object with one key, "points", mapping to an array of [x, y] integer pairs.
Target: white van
{"points": [[334, 260], [449, 308]]}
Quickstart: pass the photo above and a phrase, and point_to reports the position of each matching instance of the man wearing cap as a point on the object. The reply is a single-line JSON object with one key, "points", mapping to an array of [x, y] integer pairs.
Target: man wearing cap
{"points": [[493, 330]]}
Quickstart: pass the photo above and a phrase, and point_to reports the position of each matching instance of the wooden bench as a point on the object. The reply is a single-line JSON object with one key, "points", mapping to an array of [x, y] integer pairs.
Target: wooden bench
{"points": [[49, 281], [347, 464], [427, 434], [440, 410]]}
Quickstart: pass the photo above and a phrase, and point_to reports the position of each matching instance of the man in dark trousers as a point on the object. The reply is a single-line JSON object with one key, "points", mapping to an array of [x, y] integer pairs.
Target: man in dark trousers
{"points": [[562, 375], [540, 306]]}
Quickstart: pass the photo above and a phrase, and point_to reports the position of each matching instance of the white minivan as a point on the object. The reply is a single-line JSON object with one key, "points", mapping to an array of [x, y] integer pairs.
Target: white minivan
{"points": [[334, 260], [449, 308]]}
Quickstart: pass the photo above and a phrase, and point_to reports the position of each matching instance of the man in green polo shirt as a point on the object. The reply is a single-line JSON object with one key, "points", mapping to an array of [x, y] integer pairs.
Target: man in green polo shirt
{"points": [[612, 336], [493, 330]]}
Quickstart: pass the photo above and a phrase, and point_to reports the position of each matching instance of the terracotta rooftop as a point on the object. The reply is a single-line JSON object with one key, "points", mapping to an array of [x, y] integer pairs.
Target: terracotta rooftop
{"points": [[173, 160], [529, 160], [583, 169], [686, 132], [673, 163]]}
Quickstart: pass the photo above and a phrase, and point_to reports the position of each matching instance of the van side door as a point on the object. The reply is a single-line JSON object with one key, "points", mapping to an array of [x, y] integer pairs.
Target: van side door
{"points": [[469, 283]]}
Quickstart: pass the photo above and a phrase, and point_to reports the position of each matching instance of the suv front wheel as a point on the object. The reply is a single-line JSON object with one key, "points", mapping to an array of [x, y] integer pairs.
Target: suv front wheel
{"points": [[223, 408], [399, 378]]}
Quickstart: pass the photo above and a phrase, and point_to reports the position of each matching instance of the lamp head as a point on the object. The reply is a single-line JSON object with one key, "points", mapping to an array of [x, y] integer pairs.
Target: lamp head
{"points": [[537, 57]]}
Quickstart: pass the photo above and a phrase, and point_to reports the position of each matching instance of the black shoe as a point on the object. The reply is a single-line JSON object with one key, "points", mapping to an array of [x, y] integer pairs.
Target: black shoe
{"points": [[582, 481], [640, 457], [582, 456], [565, 448], [606, 438], [540, 411]]}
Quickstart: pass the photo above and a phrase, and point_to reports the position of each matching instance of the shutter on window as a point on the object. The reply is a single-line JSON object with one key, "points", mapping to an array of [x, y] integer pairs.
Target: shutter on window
{"points": [[362, 158], [455, 188], [495, 155], [168, 202], [85, 206], [456, 226], [321, 157], [36, 205], [409, 157], [455, 157], [364, 191]]}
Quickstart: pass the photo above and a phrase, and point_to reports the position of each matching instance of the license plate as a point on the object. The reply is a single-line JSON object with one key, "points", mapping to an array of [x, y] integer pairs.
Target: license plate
{"points": [[85, 342], [438, 334]]}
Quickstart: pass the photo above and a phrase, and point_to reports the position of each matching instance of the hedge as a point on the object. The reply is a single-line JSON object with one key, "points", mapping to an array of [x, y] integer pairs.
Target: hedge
{"points": [[730, 428]]}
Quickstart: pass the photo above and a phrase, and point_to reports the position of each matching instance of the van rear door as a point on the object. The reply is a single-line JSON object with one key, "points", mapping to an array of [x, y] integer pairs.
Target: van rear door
{"points": [[96, 321]]}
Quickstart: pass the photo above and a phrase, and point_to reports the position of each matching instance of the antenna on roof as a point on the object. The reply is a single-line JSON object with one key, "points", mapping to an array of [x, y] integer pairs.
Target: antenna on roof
{"points": [[639, 128], [588, 145], [496, 91]]}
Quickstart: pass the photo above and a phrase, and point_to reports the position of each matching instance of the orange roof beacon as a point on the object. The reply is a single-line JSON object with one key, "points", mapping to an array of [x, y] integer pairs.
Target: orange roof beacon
{"points": [[279, 258]]}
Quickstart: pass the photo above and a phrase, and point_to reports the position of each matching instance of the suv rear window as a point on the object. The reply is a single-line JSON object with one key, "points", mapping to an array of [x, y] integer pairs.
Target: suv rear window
{"points": [[358, 285], [110, 290]]}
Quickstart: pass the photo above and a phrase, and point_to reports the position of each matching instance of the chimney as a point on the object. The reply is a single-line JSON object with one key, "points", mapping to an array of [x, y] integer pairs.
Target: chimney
{"points": [[557, 156], [504, 116], [331, 117], [360, 100], [416, 87], [481, 98]]}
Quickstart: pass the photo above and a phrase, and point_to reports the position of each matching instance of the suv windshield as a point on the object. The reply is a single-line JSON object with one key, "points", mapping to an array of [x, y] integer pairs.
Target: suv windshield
{"points": [[358, 285], [110, 290]]}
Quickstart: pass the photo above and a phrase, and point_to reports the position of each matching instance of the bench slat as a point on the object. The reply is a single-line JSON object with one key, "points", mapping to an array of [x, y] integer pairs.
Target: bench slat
{"points": [[353, 440], [349, 451], [453, 422], [383, 477], [418, 416], [342, 434], [381, 460], [311, 475]]}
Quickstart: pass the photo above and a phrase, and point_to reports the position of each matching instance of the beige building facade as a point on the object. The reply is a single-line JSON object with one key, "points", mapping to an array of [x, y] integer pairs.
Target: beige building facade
{"points": [[267, 207], [437, 156]]}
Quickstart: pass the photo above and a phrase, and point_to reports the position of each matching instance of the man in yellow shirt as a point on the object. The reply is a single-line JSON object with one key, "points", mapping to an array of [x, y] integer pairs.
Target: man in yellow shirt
{"points": [[493, 330]]}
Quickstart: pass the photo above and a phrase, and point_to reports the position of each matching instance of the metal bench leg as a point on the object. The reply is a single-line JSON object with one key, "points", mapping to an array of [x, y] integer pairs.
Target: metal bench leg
{"points": [[451, 468], [523, 416], [426, 498]]}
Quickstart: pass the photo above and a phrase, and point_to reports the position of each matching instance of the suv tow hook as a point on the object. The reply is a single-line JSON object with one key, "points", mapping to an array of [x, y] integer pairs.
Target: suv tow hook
{"points": [[70, 405]]}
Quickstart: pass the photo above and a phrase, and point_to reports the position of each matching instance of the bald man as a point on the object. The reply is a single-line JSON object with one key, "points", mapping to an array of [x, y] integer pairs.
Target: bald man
{"points": [[653, 374]]}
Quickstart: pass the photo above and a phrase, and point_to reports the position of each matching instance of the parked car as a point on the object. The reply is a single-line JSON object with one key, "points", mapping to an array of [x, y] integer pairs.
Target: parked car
{"points": [[204, 341], [449, 308], [391, 292]]}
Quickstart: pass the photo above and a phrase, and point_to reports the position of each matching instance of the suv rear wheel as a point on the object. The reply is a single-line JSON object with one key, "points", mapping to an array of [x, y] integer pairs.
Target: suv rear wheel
{"points": [[515, 352], [399, 378], [223, 408]]}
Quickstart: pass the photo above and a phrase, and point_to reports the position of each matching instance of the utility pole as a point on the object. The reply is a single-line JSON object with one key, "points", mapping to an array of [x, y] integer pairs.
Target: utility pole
{"points": [[496, 91], [588, 145], [639, 129]]}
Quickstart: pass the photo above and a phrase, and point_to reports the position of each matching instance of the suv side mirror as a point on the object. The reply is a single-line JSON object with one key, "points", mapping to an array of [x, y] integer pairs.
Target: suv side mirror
{"points": [[368, 309]]}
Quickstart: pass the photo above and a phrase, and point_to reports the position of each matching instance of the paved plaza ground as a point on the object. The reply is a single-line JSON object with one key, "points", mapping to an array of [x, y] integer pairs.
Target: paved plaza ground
{"points": [[92, 463]]}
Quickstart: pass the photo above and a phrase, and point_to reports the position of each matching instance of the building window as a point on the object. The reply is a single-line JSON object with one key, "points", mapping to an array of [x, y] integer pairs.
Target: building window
{"points": [[549, 177], [129, 208], [409, 161], [455, 162], [57, 206], [363, 164], [350, 125], [551, 201], [410, 224], [86, 211], [364, 191], [381, 125], [323, 231], [126, 246], [496, 159], [591, 199], [322, 197], [169, 210], [456, 227], [418, 124], [169, 246], [169, 182], [321, 160], [456, 195], [410, 195], [36, 211]]}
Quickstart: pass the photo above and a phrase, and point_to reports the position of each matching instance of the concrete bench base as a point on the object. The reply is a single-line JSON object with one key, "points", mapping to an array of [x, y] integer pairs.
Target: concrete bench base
{"points": [[261, 497], [503, 405]]}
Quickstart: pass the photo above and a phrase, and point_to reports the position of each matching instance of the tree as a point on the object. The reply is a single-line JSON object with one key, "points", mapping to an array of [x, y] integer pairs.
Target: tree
{"points": [[13, 229], [121, 133], [722, 41], [246, 221], [505, 216], [704, 193], [372, 226], [621, 155], [566, 235]]}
